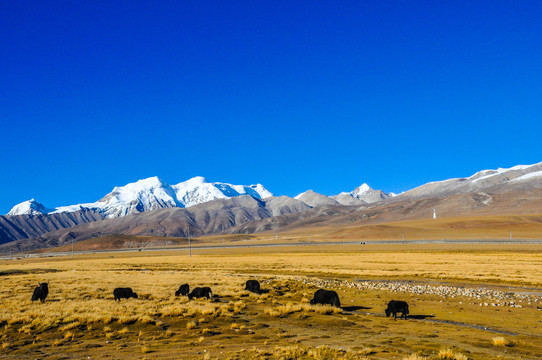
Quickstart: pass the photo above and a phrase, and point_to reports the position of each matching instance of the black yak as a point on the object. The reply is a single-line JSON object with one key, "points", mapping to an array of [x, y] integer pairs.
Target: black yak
{"points": [[201, 292], [124, 293], [326, 297], [184, 289], [40, 292], [253, 286], [395, 306]]}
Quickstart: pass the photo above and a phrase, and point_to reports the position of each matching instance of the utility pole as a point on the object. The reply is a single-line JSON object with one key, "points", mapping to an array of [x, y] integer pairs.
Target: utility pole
{"points": [[72, 249], [276, 235]]}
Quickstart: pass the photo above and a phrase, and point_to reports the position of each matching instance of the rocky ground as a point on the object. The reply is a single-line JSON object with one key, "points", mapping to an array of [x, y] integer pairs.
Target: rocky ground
{"points": [[481, 295]]}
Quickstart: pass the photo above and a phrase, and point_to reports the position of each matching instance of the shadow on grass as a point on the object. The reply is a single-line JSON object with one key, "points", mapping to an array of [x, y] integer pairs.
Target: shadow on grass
{"points": [[354, 308], [29, 271], [420, 317]]}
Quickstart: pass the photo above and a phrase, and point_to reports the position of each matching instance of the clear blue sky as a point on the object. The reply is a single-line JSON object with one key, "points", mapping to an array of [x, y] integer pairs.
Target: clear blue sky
{"points": [[295, 95]]}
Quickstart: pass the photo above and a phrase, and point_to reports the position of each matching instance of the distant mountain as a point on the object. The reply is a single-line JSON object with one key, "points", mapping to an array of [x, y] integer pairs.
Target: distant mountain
{"points": [[150, 194], [520, 177], [212, 208], [346, 198], [363, 193], [283, 205], [212, 217], [29, 207], [28, 226], [360, 196], [313, 199]]}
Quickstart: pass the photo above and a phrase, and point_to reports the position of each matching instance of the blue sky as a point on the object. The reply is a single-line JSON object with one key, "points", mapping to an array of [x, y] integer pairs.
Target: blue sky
{"points": [[295, 95]]}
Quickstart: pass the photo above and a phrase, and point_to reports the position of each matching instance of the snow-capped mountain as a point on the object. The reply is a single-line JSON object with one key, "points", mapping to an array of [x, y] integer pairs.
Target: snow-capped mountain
{"points": [[29, 207], [153, 193], [150, 194], [197, 190], [360, 196], [363, 193], [502, 179]]}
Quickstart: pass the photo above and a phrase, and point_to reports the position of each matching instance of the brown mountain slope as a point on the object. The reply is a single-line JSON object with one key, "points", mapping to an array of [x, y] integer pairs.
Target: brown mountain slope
{"points": [[245, 215], [518, 202], [216, 216], [28, 226]]}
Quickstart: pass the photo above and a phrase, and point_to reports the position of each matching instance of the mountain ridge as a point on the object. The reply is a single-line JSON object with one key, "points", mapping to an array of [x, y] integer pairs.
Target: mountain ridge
{"points": [[515, 190], [149, 194]]}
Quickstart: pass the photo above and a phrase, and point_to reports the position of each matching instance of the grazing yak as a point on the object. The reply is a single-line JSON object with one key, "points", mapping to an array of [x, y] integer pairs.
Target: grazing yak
{"points": [[201, 292], [184, 289], [40, 292], [253, 286], [395, 306], [326, 297], [124, 293]]}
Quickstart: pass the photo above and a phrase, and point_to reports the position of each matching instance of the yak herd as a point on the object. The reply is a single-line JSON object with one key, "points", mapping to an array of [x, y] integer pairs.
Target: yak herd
{"points": [[321, 296]]}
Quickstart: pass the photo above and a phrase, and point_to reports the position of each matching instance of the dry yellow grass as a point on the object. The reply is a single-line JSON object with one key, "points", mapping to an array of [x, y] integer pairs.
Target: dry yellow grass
{"points": [[414, 357], [291, 308], [468, 227], [80, 309], [449, 354], [501, 341], [528, 226]]}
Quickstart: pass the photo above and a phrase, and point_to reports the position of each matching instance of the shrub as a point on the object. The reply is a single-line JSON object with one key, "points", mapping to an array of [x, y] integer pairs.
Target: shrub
{"points": [[413, 357], [501, 341], [191, 325], [448, 354]]}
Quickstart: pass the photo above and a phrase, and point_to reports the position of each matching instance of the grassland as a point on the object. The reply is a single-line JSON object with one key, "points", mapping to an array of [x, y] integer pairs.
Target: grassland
{"points": [[461, 228], [467, 302]]}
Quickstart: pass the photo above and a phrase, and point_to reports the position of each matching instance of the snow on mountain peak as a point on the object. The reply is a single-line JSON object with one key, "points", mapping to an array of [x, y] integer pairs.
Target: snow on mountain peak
{"points": [[29, 207], [196, 180], [197, 190], [485, 174], [501, 178], [148, 183], [366, 193], [149, 194], [262, 191], [362, 189], [142, 195]]}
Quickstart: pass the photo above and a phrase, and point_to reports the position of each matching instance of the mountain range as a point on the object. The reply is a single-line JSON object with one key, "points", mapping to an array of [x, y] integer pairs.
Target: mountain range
{"points": [[152, 207], [153, 193], [149, 194]]}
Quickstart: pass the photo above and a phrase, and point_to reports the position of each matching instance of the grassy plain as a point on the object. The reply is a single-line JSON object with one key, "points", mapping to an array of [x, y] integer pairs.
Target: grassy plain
{"points": [[80, 319], [465, 227]]}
